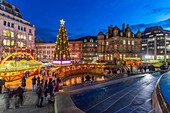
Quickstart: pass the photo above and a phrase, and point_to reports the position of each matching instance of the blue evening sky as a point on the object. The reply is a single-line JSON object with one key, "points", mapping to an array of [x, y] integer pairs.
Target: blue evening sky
{"points": [[89, 17]]}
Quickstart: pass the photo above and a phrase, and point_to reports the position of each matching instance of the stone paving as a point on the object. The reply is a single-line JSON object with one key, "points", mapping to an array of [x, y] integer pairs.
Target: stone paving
{"points": [[131, 96]]}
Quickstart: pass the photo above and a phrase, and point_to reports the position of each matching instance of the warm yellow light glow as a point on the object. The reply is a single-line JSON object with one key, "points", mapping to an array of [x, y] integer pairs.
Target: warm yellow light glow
{"points": [[62, 22]]}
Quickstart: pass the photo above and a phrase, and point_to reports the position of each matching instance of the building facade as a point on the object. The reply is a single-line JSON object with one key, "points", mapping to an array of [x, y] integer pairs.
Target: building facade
{"points": [[14, 30], [118, 44], [155, 43], [45, 51]]}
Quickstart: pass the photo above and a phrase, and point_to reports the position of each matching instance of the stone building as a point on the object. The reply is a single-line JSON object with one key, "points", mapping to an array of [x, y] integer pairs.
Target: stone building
{"points": [[15, 31], [45, 51], [155, 43], [118, 44]]}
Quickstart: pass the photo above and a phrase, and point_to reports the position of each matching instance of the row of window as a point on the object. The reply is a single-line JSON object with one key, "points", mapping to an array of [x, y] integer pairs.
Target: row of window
{"points": [[160, 47], [91, 45], [11, 34], [16, 14], [89, 54], [144, 44], [124, 42], [151, 39], [44, 52], [71, 45], [8, 24], [43, 47], [91, 40], [11, 43]]}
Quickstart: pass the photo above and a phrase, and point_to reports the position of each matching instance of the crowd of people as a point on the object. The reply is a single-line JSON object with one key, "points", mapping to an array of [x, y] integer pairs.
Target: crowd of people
{"points": [[47, 88]]}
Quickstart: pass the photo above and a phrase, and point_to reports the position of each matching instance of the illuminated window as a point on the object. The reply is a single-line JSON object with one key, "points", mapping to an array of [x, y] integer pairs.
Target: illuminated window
{"points": [[85, 40], [132, 42], [92, 45], [107, 43], [124, 41], [22, 37], [30, 37], [128, 42], [84, 45], [4, 42], [25, 37], [21, 44], [77, 45], [4, 33], [12, 42], [8, 34], [8, 42], [19, 36], [96, 45], [12, 34]]}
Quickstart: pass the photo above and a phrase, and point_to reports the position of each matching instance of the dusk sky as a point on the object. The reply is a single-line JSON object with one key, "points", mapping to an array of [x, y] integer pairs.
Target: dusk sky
{"points": [[89, 17]]}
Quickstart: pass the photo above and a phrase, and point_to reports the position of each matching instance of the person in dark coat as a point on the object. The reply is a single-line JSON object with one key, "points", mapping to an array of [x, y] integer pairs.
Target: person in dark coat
{"points": [[20, 93], [34, 83], [50, 87], [45, 89], [23, 83], [144, 69], [58, 79], [87, 78], [40, 96], [131, 68], [38, 81]]}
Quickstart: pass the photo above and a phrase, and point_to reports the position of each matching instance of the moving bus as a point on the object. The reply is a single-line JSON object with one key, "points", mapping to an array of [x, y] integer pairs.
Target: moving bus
{"points": [[132, 61]]}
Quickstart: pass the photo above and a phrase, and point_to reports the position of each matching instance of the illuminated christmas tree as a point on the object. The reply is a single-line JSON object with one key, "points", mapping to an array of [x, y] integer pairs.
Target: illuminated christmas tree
{"points": [[62, 51]]}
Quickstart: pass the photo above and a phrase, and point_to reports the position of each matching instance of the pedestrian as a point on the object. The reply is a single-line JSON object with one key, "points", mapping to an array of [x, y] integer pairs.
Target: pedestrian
{"points": [[1, 84], [59, 80], [57, 87], [23, 83], [40, 96], [20, 93], [50, 89], [131, 68], [38, 80], [34, 83], [144, 69], [92, 77], [45, 89]]}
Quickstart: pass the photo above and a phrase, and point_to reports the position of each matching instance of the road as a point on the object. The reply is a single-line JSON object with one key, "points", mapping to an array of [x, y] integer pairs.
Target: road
{"points": [[132, 96]]}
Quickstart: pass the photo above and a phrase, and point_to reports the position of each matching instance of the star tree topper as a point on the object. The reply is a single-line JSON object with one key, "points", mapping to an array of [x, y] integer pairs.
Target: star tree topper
{"points": [[62, 22]]}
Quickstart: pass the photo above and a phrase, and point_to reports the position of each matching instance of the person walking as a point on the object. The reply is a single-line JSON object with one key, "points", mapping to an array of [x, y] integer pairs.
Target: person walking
{"points": [[34, 83], [23, 83], [131, 68], [38, 80], [45, 89], [40, 96], [50, 90], [144, 69], [57, 87]]}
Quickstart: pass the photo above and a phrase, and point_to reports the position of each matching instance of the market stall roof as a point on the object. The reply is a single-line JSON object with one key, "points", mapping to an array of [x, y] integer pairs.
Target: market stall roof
{"points": [[20, 66]]}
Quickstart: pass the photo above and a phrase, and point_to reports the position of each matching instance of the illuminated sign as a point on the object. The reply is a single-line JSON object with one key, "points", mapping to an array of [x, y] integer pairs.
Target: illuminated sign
{"points": [[66, 62], [57, 62]]}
